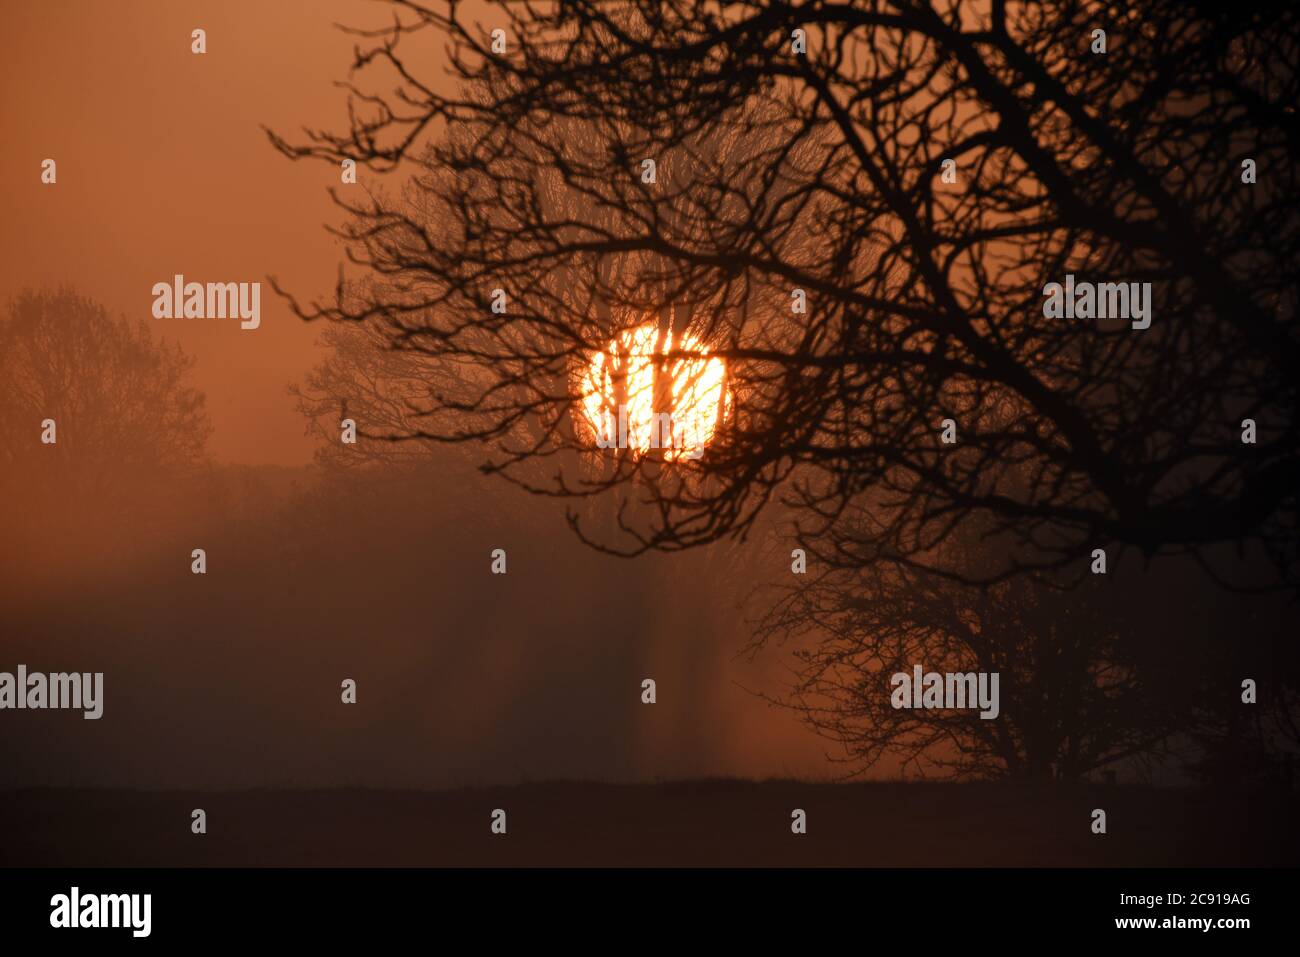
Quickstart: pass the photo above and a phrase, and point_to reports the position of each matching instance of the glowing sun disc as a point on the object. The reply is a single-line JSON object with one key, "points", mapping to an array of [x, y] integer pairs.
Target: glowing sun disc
{"points": [[691, 394]]}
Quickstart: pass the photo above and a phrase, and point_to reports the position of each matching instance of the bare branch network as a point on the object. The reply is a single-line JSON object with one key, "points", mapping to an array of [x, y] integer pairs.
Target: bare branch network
{"points": [[781, 165]]}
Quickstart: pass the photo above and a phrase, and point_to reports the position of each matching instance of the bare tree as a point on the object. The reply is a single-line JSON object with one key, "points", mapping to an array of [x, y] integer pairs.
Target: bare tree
{"points": [[378, 387], [819, 168], [1069, 700], [1244, 729], [127, 422], [118, 396]]}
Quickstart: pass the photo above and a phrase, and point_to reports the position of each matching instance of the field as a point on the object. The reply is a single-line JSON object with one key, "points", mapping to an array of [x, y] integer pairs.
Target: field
{"points": [[710, 823]]}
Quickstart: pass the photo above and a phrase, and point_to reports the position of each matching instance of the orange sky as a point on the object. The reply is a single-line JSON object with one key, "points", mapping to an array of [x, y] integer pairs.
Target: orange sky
{"points": [[163, 168]]}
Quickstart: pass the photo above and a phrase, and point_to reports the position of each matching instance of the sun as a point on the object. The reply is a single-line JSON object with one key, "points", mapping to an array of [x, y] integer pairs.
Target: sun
{"points": [[669, 406]]}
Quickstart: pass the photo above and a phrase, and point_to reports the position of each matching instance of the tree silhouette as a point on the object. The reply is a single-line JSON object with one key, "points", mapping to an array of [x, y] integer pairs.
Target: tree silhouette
{"points": [[1070, 700], [821, 169], [1236, 743], [363, 378], [127, 421]]}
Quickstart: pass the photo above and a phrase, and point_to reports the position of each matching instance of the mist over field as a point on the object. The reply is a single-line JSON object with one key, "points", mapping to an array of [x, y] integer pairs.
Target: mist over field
{"points": [[874, 422]]}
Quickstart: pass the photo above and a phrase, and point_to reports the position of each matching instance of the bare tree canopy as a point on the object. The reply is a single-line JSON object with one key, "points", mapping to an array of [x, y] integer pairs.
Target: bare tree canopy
{"points": [[1068, 703], [98, 421], [119, 398], [803, 147]]}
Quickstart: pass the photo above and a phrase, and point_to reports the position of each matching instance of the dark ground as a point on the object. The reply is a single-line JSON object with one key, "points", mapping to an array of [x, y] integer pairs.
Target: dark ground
{"points": [[710, 823]]}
